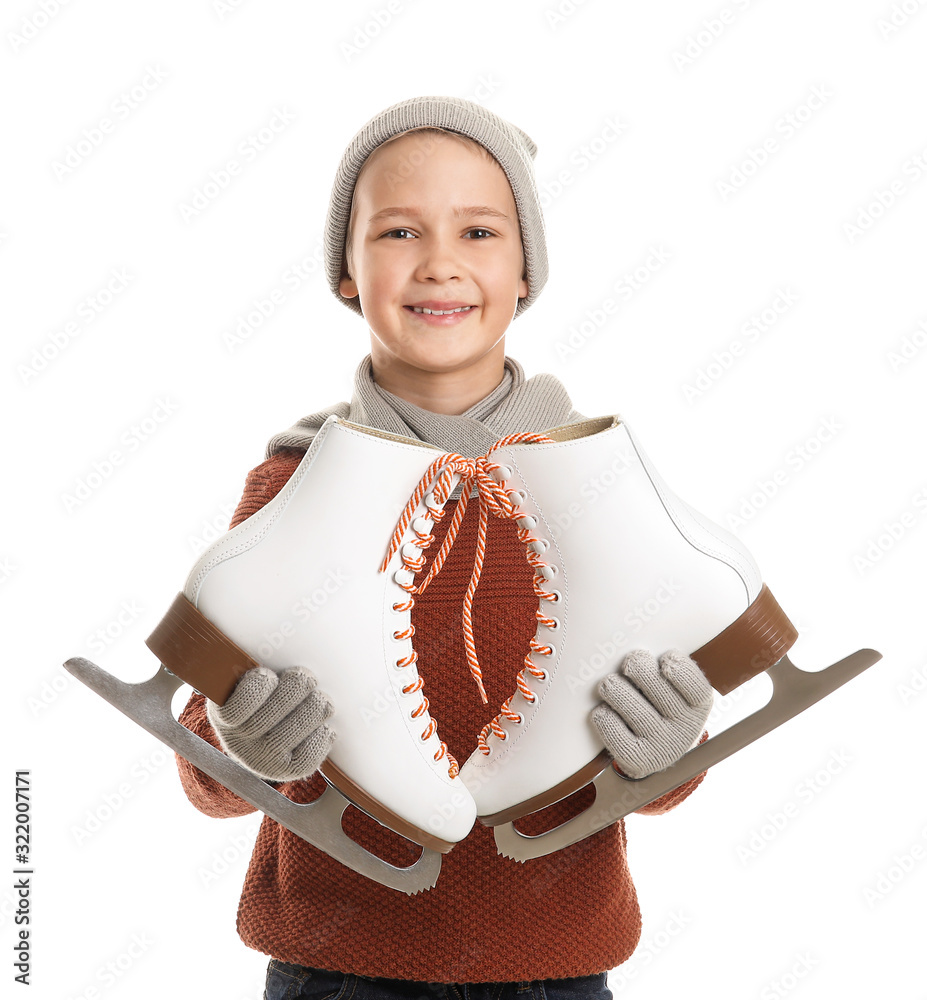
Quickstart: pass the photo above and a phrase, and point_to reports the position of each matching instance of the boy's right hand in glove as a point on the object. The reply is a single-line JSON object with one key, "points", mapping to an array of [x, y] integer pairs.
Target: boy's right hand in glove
{"points": [[274, 723]]}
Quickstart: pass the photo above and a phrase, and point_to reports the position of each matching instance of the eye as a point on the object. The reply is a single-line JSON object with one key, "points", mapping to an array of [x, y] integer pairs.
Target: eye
{"points": [[481, 230], [400, 230]]}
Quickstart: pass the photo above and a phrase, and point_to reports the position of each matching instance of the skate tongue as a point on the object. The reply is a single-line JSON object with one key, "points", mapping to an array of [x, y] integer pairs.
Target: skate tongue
{"points": [[442, 475]]}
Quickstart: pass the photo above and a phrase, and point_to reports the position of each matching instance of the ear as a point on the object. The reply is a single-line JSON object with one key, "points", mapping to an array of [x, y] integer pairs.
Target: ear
{"points": [[523, 288], [347, 286]]}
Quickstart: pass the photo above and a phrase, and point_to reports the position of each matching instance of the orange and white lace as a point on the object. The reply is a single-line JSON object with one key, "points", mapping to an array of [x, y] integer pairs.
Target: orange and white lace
{"points": [[494, 499]]}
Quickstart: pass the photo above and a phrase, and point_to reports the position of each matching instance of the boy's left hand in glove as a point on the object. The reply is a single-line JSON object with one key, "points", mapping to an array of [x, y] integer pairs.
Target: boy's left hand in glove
{"points": [[653, 712]]}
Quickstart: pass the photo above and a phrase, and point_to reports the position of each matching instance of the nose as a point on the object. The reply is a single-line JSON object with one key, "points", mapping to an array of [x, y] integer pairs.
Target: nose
{"points": [[438, 258]]}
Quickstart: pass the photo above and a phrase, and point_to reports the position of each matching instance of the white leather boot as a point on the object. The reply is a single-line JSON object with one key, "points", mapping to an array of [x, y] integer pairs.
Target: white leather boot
{"points": [[300, 583], [620, 563]]}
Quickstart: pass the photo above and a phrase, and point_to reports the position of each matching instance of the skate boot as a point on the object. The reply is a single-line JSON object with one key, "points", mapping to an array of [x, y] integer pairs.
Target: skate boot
{"points": [[620, 563], [246, 603]]}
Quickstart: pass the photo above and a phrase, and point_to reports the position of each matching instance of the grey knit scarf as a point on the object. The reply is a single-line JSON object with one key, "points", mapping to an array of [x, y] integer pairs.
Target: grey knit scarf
{"points": [[516, 404]]}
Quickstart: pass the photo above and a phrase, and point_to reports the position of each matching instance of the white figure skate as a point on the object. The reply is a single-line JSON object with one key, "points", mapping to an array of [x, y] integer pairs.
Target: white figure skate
{"points": [[245, 603], [605, 536]]}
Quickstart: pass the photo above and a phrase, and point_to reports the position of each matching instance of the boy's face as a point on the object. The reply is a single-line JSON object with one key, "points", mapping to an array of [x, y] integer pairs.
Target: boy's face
{"points": [[446, 235]]}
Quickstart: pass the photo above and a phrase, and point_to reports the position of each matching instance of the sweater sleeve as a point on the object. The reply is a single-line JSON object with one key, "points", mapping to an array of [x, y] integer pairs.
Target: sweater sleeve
{"points": [[262, 484], [672, 798]]}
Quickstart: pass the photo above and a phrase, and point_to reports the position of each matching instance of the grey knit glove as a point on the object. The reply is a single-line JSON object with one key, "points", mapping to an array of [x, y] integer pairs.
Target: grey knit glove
{"points": [[273, 723], [653, 712]]}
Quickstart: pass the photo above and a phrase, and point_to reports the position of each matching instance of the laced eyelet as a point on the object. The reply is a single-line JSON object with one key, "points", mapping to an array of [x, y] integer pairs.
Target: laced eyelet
{"points": [[548, 571], [540, 545], [542, 676], [555, 597], [521, 720], [555, 626]]}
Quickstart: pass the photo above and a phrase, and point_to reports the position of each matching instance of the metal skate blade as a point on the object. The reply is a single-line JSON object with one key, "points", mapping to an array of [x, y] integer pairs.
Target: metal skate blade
{"points": [[794, 690], [319, 822]]}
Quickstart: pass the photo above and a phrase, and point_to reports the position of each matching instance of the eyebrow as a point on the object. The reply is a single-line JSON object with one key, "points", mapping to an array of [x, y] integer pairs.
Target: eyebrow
{"points": [[467, 211]]}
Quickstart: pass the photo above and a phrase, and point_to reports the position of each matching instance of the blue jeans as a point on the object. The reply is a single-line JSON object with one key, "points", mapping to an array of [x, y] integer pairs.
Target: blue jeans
{"points": [[292, 982]]}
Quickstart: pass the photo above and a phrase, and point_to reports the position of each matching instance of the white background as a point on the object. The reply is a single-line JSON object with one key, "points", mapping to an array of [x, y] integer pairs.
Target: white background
{"points": [[118, 852]]}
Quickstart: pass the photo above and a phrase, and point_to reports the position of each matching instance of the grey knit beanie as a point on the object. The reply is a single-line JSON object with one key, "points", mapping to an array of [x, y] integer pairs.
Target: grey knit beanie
{"points": [[513, 149]]}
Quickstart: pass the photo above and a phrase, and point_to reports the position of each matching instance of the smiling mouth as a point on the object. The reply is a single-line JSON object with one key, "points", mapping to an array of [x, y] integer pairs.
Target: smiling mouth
{"points": [[439, 312]]}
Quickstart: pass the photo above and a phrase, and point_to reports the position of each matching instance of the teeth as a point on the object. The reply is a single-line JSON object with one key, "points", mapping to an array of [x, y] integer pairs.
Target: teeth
{"points": [[440, 312]]}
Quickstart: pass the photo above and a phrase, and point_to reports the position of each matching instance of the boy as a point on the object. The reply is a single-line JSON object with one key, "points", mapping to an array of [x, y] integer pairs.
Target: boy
{"points": [[435, 236]]}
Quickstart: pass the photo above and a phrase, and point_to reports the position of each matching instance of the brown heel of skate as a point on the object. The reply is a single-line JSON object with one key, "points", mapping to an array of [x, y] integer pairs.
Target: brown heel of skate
{"points": [[191, 647], [755, 642], [192, 650]]}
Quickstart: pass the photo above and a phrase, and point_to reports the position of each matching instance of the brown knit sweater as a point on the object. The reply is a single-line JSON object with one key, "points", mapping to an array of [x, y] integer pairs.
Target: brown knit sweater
{"points": [[571, 913]]}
